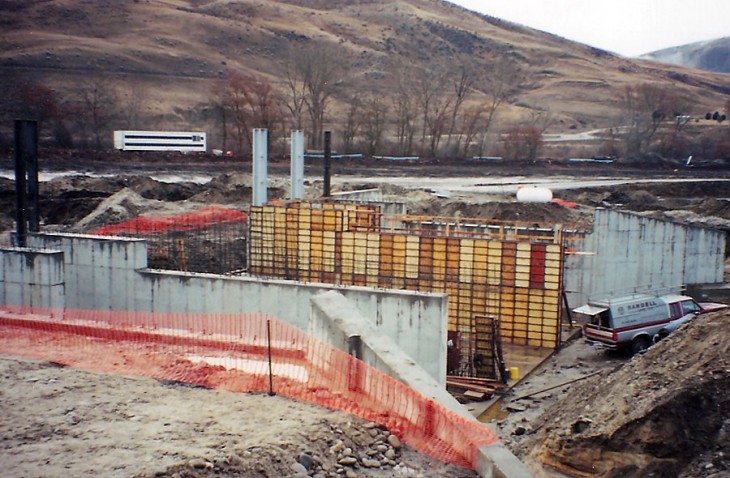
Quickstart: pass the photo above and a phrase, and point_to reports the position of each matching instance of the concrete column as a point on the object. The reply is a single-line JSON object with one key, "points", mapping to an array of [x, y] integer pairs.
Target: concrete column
{"points": [[260, 158], [297, 164]]}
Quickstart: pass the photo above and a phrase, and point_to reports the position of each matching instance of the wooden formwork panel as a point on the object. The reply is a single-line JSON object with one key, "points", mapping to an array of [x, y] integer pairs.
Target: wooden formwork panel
{"points": [[412, 253], [519, 282], [466, 261], [292, 241], [439, 259], [360, 255]]}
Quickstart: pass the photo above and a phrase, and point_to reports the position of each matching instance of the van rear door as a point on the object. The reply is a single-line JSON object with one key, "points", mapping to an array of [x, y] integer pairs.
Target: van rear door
{"points": [[599, 328]]}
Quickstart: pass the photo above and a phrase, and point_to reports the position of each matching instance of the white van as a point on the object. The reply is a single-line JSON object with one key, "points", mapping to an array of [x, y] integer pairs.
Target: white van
{"points": [[636, 321]]}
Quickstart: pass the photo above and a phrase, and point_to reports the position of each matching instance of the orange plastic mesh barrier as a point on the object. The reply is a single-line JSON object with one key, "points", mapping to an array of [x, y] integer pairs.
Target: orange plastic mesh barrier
{"points": [[231, 352], [180, 222]]}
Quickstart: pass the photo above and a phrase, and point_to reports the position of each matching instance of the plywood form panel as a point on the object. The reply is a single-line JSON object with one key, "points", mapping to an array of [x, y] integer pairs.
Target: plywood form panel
{"points": [[480, 262], [426, 260], [412, 253], [464, 268], [508, 263], [466, 261], [439, 259], [453, 250], [372, 259], [494, 263]]}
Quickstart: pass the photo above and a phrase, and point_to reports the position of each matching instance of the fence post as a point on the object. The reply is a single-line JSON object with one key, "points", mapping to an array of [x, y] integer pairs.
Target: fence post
{"points": [[268, 346]]}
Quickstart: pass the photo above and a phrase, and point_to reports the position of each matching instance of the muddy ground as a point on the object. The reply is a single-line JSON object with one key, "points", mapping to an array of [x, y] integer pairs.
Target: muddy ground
{"points": [[70, 200], [662, 414]]}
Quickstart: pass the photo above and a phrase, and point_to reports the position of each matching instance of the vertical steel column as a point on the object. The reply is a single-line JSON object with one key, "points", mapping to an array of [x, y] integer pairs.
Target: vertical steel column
{"points": [[26, 179], [260, 158], [327, 161], [297, 164]]}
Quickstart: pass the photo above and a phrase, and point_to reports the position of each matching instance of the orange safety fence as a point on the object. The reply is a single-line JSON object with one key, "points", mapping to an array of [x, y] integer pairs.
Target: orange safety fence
{"points": [[210, 215], [241, 353]]}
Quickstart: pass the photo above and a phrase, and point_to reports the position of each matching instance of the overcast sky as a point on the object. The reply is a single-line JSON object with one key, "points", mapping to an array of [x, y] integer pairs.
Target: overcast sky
{"points": [[627, 27]]}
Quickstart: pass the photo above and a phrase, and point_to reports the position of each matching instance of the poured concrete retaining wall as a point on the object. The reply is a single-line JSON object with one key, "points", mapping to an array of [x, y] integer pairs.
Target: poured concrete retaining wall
{"points": [[32, 278], [100, 272], [335, 321], [109, 273], [628, 252]]}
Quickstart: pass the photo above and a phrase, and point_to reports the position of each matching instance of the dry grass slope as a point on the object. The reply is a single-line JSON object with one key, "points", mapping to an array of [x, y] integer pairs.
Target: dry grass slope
{"points": [[173, 50]]}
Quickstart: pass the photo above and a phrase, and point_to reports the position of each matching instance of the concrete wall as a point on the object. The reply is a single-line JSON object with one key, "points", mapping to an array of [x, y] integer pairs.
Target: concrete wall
{"points": [[105, 273], [334, 321], [31, 278], [627, 252], [100, 272]]}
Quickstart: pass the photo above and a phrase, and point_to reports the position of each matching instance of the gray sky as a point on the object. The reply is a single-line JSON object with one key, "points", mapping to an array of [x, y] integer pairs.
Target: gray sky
{"points": [[627, 27]]}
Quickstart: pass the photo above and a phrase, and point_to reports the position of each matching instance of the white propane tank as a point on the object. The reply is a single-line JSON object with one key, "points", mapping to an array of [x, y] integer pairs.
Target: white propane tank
{"points": [[534, 194]]}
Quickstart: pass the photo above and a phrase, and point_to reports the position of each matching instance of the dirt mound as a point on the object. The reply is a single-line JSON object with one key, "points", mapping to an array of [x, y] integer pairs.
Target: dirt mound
{"points": [[539, 214], [664, 413], [118, 207], [226, 188], [715, 207]]}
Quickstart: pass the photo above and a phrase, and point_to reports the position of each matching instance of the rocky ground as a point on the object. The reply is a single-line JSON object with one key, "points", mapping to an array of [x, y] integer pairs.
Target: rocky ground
{"points": [[60, 421], [665, 413]]}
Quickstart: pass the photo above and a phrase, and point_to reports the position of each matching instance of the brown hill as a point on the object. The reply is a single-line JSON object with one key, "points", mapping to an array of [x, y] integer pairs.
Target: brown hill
{"points": [[164, 57]]}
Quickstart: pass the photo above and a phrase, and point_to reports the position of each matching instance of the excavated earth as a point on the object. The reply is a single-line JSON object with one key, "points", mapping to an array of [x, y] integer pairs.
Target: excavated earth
{"points": [[665, 413]]}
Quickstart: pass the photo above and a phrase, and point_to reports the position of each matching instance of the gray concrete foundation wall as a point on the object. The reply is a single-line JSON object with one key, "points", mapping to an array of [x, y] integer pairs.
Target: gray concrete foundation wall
{"points": [[109, 273], [336, 321], [100, 272], [627, 252], [32, 278]]}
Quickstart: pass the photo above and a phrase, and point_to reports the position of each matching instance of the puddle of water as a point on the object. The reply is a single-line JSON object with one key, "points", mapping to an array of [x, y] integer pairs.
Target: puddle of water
{"points": [[494, 412]]}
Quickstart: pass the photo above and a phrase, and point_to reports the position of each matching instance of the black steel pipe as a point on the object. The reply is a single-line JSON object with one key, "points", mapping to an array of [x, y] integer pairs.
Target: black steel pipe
{"points": [[26, 161]]}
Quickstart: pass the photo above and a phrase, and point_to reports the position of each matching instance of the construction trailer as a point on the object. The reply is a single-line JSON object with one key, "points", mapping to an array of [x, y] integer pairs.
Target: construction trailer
{"points": [[181, 141]]}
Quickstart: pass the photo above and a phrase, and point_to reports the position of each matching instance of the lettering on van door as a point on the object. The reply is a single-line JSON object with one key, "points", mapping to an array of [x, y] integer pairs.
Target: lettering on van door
{"points": [[642, 305]]}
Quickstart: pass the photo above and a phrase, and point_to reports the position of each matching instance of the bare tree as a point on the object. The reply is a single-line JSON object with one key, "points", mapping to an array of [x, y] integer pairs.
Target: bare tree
{"points": [[462, 83], [522, 142], [353, 122], [98, 105], [38, 102], [313, 75], [254, 103], [374, 122], [133, 98], [404, 111], [218, 103], [497, 84], [434, 107], [644, 108], [473, 122]]}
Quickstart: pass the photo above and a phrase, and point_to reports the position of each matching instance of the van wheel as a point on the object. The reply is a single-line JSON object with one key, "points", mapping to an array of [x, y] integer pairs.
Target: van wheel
{"points": [[639, 345]]}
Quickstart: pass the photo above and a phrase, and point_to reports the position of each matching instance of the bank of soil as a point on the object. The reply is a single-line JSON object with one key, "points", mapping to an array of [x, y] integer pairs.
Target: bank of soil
{"points": [[665, 413]]}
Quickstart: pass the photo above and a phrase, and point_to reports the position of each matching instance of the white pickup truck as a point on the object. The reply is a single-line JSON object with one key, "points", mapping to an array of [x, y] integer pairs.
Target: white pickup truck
{"points": [[636, 321]]}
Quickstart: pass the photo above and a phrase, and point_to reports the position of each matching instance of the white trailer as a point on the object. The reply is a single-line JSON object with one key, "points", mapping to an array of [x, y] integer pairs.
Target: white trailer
{"points": [[183, 141]]}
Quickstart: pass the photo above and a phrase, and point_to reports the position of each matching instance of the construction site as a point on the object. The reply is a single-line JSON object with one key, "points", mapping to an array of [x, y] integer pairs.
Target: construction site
{"points": [[420, 314]]}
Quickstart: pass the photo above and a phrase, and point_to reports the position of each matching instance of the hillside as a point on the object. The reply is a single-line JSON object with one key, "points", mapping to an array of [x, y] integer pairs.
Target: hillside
{"points": [[164, 57], [711, 55]]}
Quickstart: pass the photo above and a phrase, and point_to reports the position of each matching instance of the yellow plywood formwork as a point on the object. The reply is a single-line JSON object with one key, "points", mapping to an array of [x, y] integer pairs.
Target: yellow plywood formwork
{"points": [[518, 282]]}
